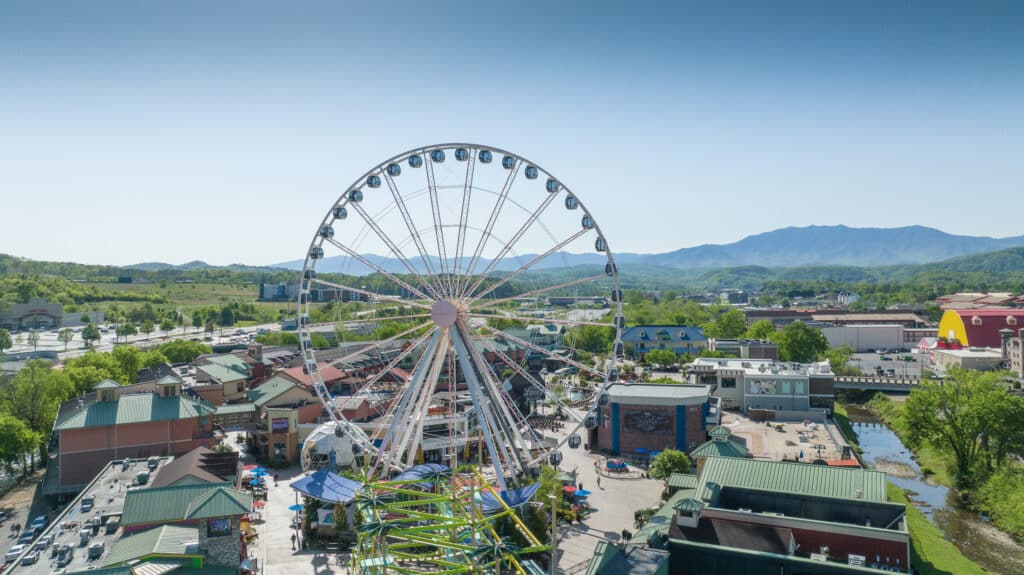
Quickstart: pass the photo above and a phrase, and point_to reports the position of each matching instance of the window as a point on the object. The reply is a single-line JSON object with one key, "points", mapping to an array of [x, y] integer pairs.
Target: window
{"points": [[219, 527], [1010, 320], [801, 387], [786, 386], [643, 334], [728, 382], [975, 320]]}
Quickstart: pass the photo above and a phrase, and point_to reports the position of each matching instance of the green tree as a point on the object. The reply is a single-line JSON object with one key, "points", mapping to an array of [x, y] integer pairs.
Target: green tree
{"points": [[126, 329], [668, 462], [839, 359], [590, 338], [16, 440], [959, 416], [90, 334], [167, 326], [147, 327], [728, 324], [33, 339], [5, 340], [760, 329], [800, 343], [34, 393], [182, 351], [65, 336], [104, 362], [197, 320], [84, 378], [227, 317], [662, 357], [85, 319], [130, 359]]}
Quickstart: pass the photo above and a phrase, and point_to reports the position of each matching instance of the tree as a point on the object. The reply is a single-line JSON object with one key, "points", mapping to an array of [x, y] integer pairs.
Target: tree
{"points": [[84, 378], [5, 340], [227, 317], [839, 359], [16, 440], [65, 336], [166, 326], [800, 343], [197, 320], [729, 324], [130, 359], [182, 351], [34, 393], [33, 339], [663, 357], [147, 327], [591, 338], [90, 333], [668, 462], [105, 363], [126, 329], [85, 319], [760, 329], [960, 416]]}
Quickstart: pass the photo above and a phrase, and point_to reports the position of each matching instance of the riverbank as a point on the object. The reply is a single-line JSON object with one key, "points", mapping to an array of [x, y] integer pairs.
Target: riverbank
{"points": [[944, 539], [930, 552]]}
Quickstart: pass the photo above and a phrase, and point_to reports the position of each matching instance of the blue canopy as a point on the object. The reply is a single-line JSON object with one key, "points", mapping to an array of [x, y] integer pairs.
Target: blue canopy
{"points": [[327, 486], [511, 497], [422, 471], [640, 450]]}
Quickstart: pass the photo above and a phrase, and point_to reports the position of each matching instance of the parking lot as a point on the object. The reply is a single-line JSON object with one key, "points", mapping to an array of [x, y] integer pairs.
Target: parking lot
{"points": [[900, 368]]}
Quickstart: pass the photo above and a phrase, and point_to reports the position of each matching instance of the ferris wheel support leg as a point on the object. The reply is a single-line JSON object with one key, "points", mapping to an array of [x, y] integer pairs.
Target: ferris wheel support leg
{"points": [[384, 454], [486, 423]]}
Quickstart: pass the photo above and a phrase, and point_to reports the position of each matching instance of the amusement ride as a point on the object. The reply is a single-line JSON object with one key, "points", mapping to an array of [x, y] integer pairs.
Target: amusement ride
{"points": [[453, 243]]}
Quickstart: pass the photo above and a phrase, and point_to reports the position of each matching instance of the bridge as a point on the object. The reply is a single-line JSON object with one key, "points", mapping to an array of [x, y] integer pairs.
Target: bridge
{"points": [[872, 383]]}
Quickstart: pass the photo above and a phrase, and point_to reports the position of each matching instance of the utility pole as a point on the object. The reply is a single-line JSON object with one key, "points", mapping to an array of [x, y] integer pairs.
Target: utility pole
{"points": [[553, 564]]}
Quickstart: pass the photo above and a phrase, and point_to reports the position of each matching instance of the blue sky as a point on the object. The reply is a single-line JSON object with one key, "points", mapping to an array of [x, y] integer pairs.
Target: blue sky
{"points": [[222, 131]]}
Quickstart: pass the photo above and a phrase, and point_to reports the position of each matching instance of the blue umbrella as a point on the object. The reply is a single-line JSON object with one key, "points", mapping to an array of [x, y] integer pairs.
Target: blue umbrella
{"points": [[254, 482], [295, 507], [641, 450], [582, 492], [259, 472]]}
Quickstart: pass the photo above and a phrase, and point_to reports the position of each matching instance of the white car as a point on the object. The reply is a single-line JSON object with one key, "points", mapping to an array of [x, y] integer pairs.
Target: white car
{"points": [[13, 553]]}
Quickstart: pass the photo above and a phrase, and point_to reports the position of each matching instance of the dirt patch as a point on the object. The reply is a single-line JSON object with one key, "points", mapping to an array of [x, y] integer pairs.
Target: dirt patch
{"points": [[895, 468]]}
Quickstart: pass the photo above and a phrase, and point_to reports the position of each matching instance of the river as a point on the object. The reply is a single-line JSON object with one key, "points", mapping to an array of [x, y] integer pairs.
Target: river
{"points": [[975, 537]]}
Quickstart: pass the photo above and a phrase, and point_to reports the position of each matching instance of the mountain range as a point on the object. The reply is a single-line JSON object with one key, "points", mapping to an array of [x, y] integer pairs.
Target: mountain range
{"points": [[785, 247]]}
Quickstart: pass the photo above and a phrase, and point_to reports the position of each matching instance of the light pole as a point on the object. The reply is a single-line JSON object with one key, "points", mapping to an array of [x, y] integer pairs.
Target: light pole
{"points": [[552, 566]]}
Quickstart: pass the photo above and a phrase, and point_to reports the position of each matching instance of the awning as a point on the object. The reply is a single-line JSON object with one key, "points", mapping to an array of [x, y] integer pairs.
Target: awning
{"points": [[424, 474], [512, 497], [327, 486]]}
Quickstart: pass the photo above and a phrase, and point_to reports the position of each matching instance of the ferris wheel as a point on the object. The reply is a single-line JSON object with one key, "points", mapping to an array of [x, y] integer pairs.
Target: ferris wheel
{"points": [[463, 252]]}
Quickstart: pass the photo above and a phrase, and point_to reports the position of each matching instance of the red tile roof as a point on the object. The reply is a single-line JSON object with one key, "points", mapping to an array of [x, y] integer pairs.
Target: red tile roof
{"points": [[330, 374]]}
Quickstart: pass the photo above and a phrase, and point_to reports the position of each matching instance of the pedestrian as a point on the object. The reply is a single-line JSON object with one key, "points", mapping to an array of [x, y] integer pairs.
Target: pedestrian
{"points": [[581, 486], [293, 541], [599, 482]]}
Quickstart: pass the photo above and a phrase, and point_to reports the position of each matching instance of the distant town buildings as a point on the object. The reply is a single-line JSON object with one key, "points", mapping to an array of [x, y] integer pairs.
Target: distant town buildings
{"points": [[979, 300], [40, 314], [679, 339]]}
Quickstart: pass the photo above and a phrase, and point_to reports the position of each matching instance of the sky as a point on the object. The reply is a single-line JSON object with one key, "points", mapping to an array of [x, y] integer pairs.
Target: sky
{"points": [[222, 131]]}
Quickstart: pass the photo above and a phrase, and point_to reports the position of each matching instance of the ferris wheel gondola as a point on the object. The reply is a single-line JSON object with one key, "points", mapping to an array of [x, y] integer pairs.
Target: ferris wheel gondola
{"points": [[450, 248]]}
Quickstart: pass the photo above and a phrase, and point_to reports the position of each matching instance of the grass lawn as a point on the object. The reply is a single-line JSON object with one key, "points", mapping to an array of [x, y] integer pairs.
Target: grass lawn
{"points": [[843, 421], [930, 553]]}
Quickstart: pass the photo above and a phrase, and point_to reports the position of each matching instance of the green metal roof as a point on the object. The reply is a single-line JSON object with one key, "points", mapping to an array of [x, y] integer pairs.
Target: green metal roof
{"points": [[236, 408], [223, 374], [222, 502], [228, 360], [718, 448], [107, 384], [135, 408], [163, 540], [270, 390], [797, 478], [178, 502], [682, 481]]}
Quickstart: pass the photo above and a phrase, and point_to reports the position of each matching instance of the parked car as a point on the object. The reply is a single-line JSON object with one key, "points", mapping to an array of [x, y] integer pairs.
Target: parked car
{"points": [[30, 559], [13, 553], [27, 536], [886, 358], [44, 542], [890, 372], [39, 522]]}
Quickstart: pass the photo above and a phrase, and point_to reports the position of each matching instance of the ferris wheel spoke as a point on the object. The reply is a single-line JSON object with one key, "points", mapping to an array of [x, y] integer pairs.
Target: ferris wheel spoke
{"points": [[467, 191], [530, 264], [413, 232], [395, 279], [538, 291], [413, 420], [382, 342], [533, 381], [504, 403], [493, 219], [511, 243], [394, 248], [568, 322], [372, 295], [380, 318], [435, 211], [542, 351]]}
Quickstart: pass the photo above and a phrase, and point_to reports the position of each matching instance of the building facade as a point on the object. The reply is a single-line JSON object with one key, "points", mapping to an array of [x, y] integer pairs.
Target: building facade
{"points": [[978, 327], [745, 348], [653, 417], [678, 338], [766, 385]]}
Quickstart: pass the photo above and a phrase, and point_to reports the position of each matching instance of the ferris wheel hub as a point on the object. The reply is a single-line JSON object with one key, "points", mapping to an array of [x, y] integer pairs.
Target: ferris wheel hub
{"points": [[444, 313]]}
